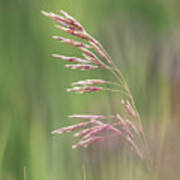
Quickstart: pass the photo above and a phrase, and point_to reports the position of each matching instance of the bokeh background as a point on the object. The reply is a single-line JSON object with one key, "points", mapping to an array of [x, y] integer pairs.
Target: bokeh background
{"points": [[142, 36]]}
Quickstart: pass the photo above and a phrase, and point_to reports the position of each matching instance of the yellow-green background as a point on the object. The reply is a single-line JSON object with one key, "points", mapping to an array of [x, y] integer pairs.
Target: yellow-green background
{"points": [[143, 38]]}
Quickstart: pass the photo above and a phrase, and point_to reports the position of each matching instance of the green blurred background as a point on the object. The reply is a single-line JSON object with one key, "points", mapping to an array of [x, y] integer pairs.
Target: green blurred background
{"points": [[143, 38]]}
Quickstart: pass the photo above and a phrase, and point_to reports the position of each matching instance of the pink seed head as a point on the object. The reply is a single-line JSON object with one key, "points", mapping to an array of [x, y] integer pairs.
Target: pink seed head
{"points": [[96, 122], [124, 126], [73, 32], [87, 89], [66, 21], [89, 82], [89, 117], [72, 42], [53, 16], [93, 132], [88, 53], [92, 57], [70, 59], [73, 21], [100, 52], [70, 128], [129, 108], [59, 19], [84, 131], [82, 67], [133, 127], [85, 143]]}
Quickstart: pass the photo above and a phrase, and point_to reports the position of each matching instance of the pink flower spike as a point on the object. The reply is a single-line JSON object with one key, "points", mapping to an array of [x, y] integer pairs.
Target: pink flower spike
{"points": [[85, 143], [87, 89], [72, 42], [89, 117], [96, 122], [53, 16], [89, 82], [70, 128], [59, 19], [92, 57], [70, 59], [68, 21], [73, 32], [94, 60], [96, 131], [94, 128], [133, 127], [82, 67], [124, 126], [100, 52], [73, 21], [129, 109], [85, 131]]}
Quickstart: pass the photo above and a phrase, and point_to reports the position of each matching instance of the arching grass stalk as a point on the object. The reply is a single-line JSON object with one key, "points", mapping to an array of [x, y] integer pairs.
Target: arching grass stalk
{"points": [[92, 129]]}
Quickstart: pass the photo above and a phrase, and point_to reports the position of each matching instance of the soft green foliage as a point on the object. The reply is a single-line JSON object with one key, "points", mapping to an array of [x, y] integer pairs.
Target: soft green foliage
{"points": [[33, 101]]}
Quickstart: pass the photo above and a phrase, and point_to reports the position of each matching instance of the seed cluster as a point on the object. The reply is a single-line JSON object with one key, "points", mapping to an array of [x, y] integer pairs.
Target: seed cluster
{"points": [[92, 128]]}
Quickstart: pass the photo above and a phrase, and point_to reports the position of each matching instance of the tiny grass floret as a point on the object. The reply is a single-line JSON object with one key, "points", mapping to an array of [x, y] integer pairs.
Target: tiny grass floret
{"points": [[70, 59], [81, 67]]}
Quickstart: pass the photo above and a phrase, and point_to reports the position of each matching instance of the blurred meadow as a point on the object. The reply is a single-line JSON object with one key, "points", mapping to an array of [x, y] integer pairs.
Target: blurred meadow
{"points": [[143, 38]]}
